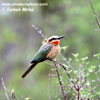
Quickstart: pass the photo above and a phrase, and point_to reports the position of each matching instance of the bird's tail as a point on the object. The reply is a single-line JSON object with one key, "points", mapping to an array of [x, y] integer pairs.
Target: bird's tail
{"points": [[29, 69]]}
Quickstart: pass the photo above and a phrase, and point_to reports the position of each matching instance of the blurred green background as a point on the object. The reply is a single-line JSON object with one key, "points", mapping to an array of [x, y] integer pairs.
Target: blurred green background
{"points": [[19, 42]]}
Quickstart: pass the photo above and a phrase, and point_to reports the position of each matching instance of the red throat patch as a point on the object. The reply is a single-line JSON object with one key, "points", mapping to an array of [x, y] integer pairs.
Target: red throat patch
{"points": [[55, 42]]}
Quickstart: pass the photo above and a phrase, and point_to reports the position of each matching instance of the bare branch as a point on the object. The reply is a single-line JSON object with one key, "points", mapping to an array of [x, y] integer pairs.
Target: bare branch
{"points": [[60, 82], [97, 20], [39, 31], [3, 84], [64, 69]]}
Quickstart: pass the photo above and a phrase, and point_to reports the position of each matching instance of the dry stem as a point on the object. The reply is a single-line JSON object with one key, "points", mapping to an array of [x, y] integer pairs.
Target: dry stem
{"points": [[3, 84], [97, 20]]}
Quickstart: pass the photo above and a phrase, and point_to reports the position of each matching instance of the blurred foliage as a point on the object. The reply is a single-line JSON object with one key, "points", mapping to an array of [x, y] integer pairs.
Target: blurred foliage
{"points": [[19, 42]]}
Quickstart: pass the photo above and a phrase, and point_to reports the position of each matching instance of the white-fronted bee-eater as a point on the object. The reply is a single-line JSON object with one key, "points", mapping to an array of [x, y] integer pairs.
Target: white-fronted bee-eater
{"points": [[48, 51]]}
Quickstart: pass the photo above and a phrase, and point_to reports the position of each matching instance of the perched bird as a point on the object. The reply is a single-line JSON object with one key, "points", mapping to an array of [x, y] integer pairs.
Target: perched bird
{"points": [[48, 51]]}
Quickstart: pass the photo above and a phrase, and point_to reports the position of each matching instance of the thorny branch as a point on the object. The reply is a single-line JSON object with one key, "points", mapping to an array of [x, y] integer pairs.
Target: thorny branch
{"points": [[97, 20]]}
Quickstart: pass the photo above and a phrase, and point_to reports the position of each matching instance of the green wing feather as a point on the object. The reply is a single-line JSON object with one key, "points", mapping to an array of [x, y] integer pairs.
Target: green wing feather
{"points": [[42, 53]]}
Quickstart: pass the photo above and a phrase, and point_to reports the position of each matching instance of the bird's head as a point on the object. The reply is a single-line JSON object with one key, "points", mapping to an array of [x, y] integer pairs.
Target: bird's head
{"points": [[54, 39]]}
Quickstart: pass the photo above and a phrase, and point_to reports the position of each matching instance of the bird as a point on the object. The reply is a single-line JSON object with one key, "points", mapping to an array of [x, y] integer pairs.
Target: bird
{"points": [[48, 51]]}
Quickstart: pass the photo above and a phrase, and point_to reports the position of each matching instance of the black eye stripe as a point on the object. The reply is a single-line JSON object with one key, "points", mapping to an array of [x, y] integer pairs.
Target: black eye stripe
{"points": [[53, 39]]}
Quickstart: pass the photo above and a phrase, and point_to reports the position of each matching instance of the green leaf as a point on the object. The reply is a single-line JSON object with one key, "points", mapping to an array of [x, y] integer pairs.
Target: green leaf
{"points": [[64, 48], [91, 69], [75, 55], [28, 98], [97, 55], [84, 59]]}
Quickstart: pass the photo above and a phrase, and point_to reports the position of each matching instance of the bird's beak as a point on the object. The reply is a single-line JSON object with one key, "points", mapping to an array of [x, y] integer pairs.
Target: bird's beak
{"points": [[60, 37]]}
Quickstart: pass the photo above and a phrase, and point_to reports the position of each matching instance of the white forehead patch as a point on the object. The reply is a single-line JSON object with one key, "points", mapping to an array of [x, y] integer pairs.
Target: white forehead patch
{"points": [[54, 36]]}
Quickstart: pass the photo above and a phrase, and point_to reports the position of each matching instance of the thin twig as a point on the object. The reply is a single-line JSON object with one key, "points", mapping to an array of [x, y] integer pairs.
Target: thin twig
{"points": [[72, 87], [84, 77], [97, 20], [72, 98], [93, 91], [49, 79], [78, 92], [3, 84], [13, 95], [96, 73], [39, 31], [60, 82], [65, 70], [67, 62]]}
